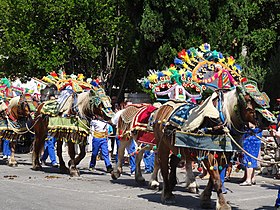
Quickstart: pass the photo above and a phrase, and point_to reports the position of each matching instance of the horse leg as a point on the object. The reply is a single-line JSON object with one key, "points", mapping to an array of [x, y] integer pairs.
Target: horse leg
{"points": [[221, 201], [118, 168], [191, 184], [216, 184], [81, 155], [41, 130], [62, 167], [12, 161], [205, 197], [166, 197], [138, 174], [174, 160], [153, 183], [72, 167]]}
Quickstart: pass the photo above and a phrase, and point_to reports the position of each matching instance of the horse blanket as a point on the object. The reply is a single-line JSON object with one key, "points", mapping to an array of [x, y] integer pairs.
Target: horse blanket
{"points": [[69, 129], [205, 142], [140, 123]]}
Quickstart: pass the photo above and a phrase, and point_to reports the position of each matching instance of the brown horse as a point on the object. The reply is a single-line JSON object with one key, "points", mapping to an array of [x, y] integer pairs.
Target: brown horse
{"points": [[79, 108], [14, 121], [237, 110]]}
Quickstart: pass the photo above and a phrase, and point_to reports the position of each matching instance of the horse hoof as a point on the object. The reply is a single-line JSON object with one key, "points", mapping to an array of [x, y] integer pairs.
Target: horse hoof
{"points": [[74, 173], [193, 190], [141, 181], [12, 164], [37, 168], [225, 206], [115, 175], [154, 185]]}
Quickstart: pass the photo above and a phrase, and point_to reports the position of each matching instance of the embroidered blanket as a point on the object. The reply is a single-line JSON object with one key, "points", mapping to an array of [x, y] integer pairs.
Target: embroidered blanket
{"points": [[181, 114], [69, 129], [205, 142]]}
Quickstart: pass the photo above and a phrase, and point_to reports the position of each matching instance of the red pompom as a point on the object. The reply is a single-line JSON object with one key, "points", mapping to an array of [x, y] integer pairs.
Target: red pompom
{"points": [[199, 169], [216, 156]]}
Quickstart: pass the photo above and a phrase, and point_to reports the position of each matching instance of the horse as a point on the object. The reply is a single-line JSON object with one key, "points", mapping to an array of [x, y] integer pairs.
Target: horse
{"points": [[15, 118], [131, 125], [237, 109], [80, 108]]}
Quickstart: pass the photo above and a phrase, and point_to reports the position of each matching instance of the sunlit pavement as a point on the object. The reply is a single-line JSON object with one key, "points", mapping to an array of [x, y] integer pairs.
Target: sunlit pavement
{"points": [[23, 188]]}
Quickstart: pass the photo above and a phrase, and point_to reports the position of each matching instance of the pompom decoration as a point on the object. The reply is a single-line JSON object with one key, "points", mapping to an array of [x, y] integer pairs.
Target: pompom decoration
{"points": [[179, 156], [216, 156], [199, 169], [211, 168], [220, 168]]}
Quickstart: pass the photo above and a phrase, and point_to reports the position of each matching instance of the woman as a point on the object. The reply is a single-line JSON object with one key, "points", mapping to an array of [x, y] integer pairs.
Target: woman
{"points": [[251, 145]]}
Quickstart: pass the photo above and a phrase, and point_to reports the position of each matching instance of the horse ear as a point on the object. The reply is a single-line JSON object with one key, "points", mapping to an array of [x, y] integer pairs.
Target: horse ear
{"points": [[92, 92], [241, 93]]}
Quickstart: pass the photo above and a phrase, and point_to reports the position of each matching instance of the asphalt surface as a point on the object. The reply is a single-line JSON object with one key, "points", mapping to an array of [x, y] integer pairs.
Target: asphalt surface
{"points": [[23, 188]]}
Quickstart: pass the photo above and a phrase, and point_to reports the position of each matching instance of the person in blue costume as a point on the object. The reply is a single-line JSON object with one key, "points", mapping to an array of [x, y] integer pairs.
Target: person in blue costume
{"points": [[6, 149], [100, 130], [149, 158], [252, 145], [49, 150]]}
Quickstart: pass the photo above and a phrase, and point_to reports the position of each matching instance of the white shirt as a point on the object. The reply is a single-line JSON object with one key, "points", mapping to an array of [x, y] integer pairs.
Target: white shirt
{"points": [[99, 126]]}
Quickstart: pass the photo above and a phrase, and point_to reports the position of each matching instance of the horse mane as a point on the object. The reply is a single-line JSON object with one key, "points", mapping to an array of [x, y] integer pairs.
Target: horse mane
{"points": [[3, 106], [13, 102], [82, 104], [230, 102]]}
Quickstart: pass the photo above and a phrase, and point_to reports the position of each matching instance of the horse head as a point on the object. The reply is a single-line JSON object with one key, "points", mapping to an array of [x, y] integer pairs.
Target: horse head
{"points": [[100, 104], [18, 108], [255, 104], [244, 106], [48, 92]]}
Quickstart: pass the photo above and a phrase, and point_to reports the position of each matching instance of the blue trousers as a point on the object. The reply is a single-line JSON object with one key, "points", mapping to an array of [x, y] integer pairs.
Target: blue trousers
{"points": [[149, 158], [277, 202], [130, 149], [97, 144], [222, 177], [6, 147], [49, 150]]}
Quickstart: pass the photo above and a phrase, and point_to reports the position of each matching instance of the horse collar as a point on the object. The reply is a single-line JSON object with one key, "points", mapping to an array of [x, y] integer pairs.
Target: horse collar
{"points": [[220, 106]]}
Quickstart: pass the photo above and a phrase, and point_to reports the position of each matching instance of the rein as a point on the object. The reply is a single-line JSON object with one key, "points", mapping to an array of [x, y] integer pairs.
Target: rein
{"points": [[247, 153]]}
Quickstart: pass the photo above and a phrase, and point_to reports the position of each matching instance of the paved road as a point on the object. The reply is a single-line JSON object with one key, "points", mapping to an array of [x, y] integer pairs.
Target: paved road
{"points": [[22, 188]]}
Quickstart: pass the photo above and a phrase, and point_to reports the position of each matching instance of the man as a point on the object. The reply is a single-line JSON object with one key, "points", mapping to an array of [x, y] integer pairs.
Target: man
{"points": [[100, 141], [49, 150]]}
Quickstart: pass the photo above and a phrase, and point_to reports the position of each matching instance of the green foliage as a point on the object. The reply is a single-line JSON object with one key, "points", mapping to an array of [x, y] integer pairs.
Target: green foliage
{"points": [[45, 35]]}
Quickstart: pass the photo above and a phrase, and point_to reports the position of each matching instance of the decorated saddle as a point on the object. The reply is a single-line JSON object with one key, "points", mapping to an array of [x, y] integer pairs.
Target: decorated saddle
{"points": [[140, 124]]}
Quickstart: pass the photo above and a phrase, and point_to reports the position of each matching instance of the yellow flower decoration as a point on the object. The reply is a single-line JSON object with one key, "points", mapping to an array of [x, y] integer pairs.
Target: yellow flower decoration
{"points": [[152, 77]]}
